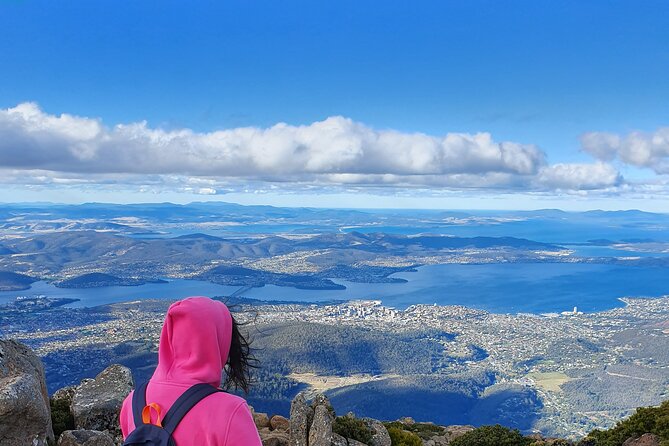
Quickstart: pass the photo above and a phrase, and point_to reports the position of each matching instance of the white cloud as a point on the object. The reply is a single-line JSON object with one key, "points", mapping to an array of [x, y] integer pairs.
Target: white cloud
{"points": [[579, 176], [649, 150], [30, 138], [41, 149]]}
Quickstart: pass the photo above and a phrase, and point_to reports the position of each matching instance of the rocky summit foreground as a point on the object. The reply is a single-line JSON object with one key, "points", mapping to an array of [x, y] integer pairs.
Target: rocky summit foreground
{"points": [[88, 414], [25, 418]]}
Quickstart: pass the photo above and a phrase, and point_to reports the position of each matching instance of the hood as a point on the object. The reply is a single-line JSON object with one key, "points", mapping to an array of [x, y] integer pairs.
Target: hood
{"points": [[194, 342]]}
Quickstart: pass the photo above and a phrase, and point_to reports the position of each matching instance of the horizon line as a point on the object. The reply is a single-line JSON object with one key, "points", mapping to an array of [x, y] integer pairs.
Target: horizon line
{"points": [[352, 208]]}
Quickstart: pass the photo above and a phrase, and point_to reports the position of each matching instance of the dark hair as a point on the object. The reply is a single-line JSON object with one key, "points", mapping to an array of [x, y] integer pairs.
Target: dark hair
{"points": [[240, 360]]}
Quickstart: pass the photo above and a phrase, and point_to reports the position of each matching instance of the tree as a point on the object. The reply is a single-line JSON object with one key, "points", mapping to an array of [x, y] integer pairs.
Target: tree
{"points": [[492, 436], [654, 420]]}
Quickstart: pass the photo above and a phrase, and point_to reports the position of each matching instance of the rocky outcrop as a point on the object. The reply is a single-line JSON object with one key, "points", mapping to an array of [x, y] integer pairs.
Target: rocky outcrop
{"points": [[644, 440], [85, 438], [320, 432], [273, 431], [24, 401], [450, 433], [96, 403], [25, 417], [301, 415], [380, 436], [312, 424]]}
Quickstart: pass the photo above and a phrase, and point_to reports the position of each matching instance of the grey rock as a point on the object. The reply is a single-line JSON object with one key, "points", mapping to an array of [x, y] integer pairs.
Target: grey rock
{"points": [[440, 440], [277, 422], [449, 434], [261, 419], [380, 435], [321, 400], [456, 431], [437, 440], [85, 438], [352, 442], [338, 440], [644, 440], [407, 421], [275, 438], [96, 403], [320, 433], [23, 397], [300, 420]]}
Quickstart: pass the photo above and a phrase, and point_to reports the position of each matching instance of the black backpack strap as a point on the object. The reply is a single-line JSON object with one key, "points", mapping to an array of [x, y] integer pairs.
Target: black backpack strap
{"points": [[138, 403], [186, 402]]}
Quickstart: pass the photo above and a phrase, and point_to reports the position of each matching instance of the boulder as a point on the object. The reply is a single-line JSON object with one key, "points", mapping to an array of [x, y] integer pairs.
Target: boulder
{"points": [[277, 422], [380, 435], [275, 438], [261, 419], [96, 403], [320, 433], [300, 420], [352, 442], [437, 440], [456, 431], [644, 440], [338, 440], [85, 438], [24, 400]]}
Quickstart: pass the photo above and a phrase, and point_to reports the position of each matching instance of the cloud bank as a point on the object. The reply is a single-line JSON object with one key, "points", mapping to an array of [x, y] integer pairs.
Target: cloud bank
{"points": [[335, 152], [639, 149]]}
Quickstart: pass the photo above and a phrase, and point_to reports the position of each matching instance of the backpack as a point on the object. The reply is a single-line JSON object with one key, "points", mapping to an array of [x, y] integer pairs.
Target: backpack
{"points": [[160, 434]]}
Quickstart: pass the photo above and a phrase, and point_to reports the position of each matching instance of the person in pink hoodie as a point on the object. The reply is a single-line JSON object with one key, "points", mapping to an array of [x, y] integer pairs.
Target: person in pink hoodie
{"points": [[199, 337]]}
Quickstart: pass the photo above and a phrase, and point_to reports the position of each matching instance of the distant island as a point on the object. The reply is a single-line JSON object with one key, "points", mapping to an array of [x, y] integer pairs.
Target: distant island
{"points": [[97, 280], [10, 281], [247, 277]]}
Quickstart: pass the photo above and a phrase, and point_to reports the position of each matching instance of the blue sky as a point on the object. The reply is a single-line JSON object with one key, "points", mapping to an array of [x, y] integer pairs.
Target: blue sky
{"points": [[540, 75]]}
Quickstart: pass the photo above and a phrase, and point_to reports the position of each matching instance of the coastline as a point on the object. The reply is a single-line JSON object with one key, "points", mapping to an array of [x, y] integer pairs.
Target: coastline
{"points": [[497, 288]]}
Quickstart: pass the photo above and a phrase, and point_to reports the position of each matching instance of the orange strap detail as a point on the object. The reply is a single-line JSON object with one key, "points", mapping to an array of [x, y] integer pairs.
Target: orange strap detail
{"points": [[146, 414]]}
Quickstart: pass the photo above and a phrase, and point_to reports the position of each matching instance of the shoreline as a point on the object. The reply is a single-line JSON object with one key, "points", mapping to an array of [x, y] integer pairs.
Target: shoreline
{"points": [[496, 288]]}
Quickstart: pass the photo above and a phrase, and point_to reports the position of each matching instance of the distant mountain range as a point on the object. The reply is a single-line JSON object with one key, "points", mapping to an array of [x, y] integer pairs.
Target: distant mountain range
{"points": [[105, 259], [215, 218], [298, 247]]}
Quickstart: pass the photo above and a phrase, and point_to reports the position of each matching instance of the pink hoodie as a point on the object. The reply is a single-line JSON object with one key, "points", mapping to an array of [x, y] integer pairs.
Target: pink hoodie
{"points": [[194, 347]]}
